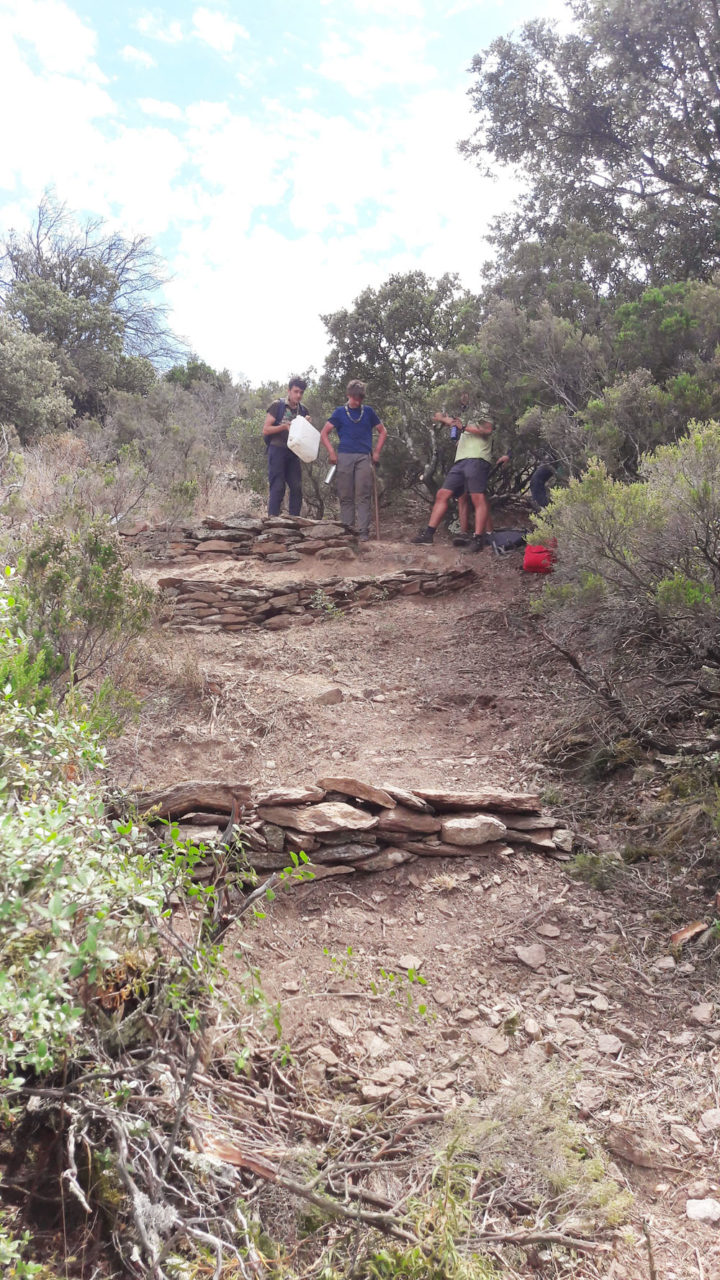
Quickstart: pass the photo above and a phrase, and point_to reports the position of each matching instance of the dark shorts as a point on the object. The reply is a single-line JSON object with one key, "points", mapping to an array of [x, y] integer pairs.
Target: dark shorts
{"points": [[469, 475]]}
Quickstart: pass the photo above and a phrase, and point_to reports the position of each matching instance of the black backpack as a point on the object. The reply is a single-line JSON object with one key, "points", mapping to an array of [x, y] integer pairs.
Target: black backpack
{"points": [[301, 411], [503, 541]]}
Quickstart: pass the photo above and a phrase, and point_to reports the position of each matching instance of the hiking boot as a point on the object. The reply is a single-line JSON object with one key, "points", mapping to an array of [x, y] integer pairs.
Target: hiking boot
{"points": [[461, 539], [478, 542], [424, 539]]}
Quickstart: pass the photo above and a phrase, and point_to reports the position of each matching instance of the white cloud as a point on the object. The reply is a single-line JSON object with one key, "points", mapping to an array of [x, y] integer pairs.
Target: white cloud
{"points": [[232, 266], [397, 9], [291, 200], [56, 133], [165, 110], [217, 30], [157, 27], [376, 56], [140, 57], [61, 41]]}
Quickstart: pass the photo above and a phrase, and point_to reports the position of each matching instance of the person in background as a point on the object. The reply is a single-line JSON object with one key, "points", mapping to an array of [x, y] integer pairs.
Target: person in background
{"points": [[355, 456], [539, 481], [468, 475], [284, 467]]}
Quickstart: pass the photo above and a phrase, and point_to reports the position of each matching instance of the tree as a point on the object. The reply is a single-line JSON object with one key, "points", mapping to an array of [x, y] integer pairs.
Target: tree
{"points": [[616, 126], [670, 329], [194, 370], [32, 397], [92, 294], [395, 339], [635, 595], [578, 273]]}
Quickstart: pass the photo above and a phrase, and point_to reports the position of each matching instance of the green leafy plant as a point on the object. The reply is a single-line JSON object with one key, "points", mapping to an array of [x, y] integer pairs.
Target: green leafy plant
{"points": [[78, 603], [400, 988], [322, 604], [12, 1258]]}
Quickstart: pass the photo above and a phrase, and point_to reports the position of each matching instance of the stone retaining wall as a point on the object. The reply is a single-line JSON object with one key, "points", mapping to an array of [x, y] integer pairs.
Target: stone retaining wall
{"points": [[274, 539], [234, 604], [344, 822]]}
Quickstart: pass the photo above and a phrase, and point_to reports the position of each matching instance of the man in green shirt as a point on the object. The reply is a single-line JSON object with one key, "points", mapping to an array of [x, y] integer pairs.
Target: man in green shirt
{"points": [[468, 475]]}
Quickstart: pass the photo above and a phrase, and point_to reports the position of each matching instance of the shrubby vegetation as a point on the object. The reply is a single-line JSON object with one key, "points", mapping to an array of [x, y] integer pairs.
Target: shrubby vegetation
{"points": [[594, 341], [636, 589], [92, 971]]}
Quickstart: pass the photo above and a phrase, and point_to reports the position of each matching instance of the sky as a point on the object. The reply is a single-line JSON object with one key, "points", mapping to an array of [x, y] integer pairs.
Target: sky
{"points": [[282, 156]]}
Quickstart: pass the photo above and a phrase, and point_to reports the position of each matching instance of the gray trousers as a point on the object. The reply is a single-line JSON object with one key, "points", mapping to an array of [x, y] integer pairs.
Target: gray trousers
{"points": [[354, 489]]}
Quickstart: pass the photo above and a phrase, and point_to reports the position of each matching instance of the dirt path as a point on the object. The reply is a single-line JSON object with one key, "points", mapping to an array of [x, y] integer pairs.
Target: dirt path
{"points": [[445, 692]]}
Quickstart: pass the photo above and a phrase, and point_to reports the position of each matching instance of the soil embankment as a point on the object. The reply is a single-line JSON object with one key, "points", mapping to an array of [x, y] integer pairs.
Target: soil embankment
{"points": [[537, 986]]}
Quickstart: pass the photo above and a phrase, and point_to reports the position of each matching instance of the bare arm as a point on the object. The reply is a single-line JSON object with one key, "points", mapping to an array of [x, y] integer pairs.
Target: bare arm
{"points": [[270, 427], [382, 437], [479, 428], [325, 440]]}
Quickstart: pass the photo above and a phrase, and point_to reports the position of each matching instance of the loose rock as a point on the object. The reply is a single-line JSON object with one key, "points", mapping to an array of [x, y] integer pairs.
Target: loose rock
{"points": [[533, 956], [490, 1039], [710, 1120], [703, 1210], [609, 1044], [702, 1014], [329, 697]]}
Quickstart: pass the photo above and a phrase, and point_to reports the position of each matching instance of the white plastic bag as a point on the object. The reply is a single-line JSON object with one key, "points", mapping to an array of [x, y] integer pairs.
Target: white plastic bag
{"points": [[303, 439]]}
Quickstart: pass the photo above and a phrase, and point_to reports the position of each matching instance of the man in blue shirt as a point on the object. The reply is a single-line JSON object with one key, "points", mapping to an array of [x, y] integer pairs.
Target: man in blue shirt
{"points": [[284, 467], [355, 457]]}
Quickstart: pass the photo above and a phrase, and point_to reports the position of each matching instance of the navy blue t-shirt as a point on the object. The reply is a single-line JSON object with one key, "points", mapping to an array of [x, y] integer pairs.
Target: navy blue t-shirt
{"points": [[355, 428]]}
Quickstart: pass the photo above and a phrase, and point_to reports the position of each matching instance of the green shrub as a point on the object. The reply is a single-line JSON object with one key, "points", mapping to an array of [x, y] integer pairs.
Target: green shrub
{"points": [[637, 584], [78, 603]]}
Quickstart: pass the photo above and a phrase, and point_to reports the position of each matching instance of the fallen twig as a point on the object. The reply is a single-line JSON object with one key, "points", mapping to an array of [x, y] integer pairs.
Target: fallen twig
{"points": [[523, 1238]]}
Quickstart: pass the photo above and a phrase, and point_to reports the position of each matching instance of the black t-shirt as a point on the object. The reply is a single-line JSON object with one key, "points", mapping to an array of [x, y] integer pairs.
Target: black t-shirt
{"points": [[289, 414], [538, 483]]}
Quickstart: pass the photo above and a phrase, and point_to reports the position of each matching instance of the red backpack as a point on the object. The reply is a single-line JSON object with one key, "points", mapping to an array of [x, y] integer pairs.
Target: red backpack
{"points": [[540, 559]]}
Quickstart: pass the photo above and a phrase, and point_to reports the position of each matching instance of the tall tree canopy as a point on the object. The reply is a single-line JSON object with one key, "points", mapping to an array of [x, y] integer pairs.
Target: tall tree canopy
{"points": [[92, 294], [617, 126], [398, 338]]}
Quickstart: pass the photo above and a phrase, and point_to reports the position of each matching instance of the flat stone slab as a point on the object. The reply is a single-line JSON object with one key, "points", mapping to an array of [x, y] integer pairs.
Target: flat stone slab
{"points": [[489, 1038], [319, 818], [489, 798], [344, 853], [436, 849], [386, 859], [406, 798], [402, 821], [476, 829], [292, 795], [358, 790], [542, 838]]}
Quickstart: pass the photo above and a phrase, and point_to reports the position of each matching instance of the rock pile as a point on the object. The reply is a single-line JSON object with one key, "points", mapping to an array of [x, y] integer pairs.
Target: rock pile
{"points": [[275, 539], [234, 604], [343, 822]]}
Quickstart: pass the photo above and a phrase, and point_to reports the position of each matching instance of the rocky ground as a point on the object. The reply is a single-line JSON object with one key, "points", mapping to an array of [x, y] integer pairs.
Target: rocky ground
{"points": [[538, 988]]}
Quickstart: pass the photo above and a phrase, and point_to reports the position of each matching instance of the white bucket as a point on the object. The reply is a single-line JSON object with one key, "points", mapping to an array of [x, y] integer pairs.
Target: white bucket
{"points": [[304, 440]]}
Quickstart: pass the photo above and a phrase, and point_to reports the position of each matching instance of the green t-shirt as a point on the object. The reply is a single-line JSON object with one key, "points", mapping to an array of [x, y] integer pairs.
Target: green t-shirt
{"points": [[472, 446]]}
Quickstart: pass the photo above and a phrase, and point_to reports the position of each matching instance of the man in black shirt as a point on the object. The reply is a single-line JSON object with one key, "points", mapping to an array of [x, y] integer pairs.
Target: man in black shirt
{"points": [[284, 467], [539, 482]]}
